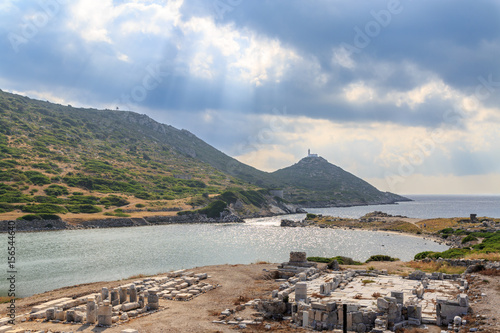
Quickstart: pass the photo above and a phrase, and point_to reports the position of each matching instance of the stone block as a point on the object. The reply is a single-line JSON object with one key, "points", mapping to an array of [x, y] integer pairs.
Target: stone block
{"points": [[183, 296], [399, 296], [318, 315], [153, 301], [114, 297], [70, 315], [298, 257], [130, 306], [382, 304], [104, 293], [60, 314], [132, 292], [357, 317], [331, 306], [104, 314], [305, 318], [463, 300], [50, 314], [79, 317], [91, 312], [318, 306]]}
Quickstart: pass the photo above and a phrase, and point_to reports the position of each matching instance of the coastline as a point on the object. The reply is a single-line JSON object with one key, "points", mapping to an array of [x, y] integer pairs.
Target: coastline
{"points": [[88, 222]]}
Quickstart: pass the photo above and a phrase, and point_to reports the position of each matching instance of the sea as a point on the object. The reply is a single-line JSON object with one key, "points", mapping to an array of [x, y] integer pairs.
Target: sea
{"points": [[50, 260]]}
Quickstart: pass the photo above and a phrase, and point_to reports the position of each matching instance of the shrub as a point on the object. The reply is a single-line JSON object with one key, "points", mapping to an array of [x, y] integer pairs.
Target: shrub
{"points": [[44, 208], [340, 259], [214, 209], [56, 190], [50, 217], [381, 257], [423, 255], [311, 216], [113, 200], [4, 208], [139, 205], [30, 217], [469, 238], [37, 178], [86, 209]]}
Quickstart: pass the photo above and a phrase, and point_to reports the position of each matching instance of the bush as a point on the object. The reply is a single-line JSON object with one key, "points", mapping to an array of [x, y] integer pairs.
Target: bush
{"points": [[340, 259], [50, 217], [44, 208], [381, 257], [214, 209], [30, 217], [139, 205], [469, 238], [86, 209], [51, 200], [423, 255], [37, 178], [113, 200], [311, 216], [4, 208], [56, 190]]}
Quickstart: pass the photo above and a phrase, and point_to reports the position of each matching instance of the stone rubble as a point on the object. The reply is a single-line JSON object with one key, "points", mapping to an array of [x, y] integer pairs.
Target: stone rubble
{"points": [[118, 305]]}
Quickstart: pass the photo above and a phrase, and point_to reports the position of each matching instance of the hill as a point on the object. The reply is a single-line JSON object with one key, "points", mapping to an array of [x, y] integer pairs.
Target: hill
{"points": [[57, 159], [314, 182]]}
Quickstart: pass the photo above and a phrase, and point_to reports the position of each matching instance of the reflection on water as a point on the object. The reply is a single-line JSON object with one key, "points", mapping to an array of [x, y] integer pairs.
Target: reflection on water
{"points": [[48, 260]]}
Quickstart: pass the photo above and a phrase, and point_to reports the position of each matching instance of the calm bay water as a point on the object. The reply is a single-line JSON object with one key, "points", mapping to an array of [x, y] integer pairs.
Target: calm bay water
{"points": [[427, 206], [49, 260]]}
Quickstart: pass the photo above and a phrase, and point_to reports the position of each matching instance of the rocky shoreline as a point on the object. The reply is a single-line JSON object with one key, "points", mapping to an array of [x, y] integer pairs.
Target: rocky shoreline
{"points": [[451, 242], [53, 225]]}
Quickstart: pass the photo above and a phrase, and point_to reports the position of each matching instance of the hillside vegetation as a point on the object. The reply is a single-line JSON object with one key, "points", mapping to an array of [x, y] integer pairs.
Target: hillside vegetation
{"points": [[57, 159]]}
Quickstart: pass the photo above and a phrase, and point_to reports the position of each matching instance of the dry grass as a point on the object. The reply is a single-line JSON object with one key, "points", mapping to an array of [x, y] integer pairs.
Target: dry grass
{"points": [[4, 299], [486, 256], [317, 295], [358, 296], [262, 262], [490, 272], [435, 225], [376, 295], [241, 300], [431, 267]]}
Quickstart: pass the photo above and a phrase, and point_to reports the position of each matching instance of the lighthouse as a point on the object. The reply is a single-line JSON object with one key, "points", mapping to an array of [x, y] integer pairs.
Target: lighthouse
{"points": [[311, 155]]}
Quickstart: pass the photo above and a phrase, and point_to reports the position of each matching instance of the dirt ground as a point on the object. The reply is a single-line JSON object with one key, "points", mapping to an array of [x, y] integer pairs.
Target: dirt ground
{"points": [[247, 281], [240, 283], [484, 299]]}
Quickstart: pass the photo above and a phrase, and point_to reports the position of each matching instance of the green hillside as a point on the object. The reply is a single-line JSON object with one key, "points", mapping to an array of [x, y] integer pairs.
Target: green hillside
{"points": [[57, 159]]}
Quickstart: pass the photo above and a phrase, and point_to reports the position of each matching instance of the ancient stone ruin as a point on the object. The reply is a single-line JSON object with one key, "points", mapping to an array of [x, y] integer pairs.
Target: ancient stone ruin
{"points": [[361, 300], [116, 306]]}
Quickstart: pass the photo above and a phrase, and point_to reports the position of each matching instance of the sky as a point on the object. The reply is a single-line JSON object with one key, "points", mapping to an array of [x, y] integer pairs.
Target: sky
{"points": [[404, 94]]}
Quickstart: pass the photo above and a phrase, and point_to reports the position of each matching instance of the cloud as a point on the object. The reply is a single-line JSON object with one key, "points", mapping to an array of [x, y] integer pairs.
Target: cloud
{"points": [[430, 70]]}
